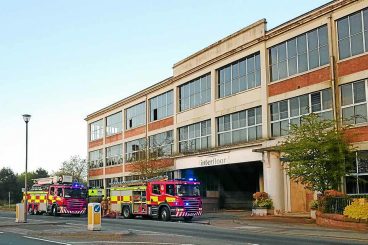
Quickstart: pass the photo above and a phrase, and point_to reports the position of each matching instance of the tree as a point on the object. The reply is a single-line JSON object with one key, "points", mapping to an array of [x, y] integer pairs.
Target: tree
{"points": [[150, 161], [75, 167], [8, 183], [40, 173], [316, 153]]}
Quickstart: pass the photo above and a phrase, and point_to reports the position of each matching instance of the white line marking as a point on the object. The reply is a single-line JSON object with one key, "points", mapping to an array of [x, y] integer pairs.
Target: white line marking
{"points": [[1, 232], [248, 227], [45, 240], [113, 242]]}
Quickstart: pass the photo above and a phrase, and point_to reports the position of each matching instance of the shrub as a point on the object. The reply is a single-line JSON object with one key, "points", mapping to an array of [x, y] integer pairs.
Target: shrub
{"points": [[358, 209], [314, 205], [262, 200]]}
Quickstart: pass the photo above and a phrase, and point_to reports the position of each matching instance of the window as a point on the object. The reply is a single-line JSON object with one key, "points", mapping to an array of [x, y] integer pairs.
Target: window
{"points": [[161, 106], [239, 76], [161, 144], [96, 130], [156, 189], [195, 93], [240, 127], [60, 192], [52, 191], [95, 159], [357, 179], [135, 150], [354, 102], [195, 136], [132, 177], [286, 112], [114, 155], [299, 54], [170, 190], [114, 124], [352, 33], [136, 116], [96, 183]]}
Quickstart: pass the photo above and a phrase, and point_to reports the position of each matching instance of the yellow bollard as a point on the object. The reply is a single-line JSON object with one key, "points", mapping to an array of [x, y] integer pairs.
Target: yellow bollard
{"points": [[19, 213], [94, 217]]}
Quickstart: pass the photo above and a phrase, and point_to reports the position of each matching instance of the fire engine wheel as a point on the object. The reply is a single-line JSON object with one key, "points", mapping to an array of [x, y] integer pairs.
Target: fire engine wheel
{"points": [[165, 214], [126, 213]]}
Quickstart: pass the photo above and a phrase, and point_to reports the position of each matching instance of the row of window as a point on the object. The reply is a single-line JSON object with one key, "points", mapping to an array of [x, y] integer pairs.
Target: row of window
{"points": [[299, 54], [247, 125], [244, 125]]}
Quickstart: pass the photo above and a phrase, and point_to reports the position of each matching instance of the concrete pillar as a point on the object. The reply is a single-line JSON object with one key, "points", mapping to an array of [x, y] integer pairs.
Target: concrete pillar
{"points": [[273, 175]]}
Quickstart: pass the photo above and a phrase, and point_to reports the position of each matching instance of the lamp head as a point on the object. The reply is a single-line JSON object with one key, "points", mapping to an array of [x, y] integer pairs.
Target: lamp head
{"points": [[26, 118]]}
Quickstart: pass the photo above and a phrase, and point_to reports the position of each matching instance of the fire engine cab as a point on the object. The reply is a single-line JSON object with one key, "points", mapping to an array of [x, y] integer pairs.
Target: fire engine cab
{"points": [[57, 195], [159, 198]]}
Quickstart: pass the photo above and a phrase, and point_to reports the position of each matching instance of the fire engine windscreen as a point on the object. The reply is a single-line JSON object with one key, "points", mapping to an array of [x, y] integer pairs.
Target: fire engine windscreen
{"points": [[75, 193], [187, 190]]}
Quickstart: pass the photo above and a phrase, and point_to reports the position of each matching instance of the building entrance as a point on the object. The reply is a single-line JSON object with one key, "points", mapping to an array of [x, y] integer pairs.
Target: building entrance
{"points": [[228, 186]]}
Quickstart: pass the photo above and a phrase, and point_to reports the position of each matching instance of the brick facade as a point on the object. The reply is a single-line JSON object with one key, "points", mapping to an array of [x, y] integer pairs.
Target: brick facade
{"points": [[358, 134], [161, 123], [95, 172], [134, 132], [114, 169], [95, 143], [113, 138], [352, 65], [298, 82]]}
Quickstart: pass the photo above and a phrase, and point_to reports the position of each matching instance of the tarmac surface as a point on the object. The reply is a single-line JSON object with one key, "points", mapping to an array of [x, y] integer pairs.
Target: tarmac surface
{"points": [[212, 228]]}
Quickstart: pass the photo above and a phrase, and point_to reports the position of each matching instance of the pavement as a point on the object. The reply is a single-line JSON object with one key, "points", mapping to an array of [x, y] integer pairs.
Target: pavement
{"points": [[212, 228]]}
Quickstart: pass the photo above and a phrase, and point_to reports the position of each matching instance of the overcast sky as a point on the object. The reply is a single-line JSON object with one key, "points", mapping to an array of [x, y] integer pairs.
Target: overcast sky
{"points": [[62, 60]]}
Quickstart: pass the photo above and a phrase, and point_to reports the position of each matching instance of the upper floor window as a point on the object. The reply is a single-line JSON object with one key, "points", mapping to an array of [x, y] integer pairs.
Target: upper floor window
{"points": [[161, 106], [161, 144], [195, 136], [299, 54], [353, 34], [135, 150], [195, 93], [96, 130], [114, 155], [95, 159], [136, 115], [240, 126], [239, 76], [114, 124], [354, 102], [286, 112]]}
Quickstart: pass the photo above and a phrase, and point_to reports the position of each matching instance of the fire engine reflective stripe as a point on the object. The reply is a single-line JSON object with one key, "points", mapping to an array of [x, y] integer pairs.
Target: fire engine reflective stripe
{"points": [[113, 202], [58, 198], [154, 199], [114, 198], [126, 198], [170, 199]]}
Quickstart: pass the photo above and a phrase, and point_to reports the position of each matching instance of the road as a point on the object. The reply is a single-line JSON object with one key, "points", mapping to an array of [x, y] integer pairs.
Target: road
{"points": [[55, 230]]}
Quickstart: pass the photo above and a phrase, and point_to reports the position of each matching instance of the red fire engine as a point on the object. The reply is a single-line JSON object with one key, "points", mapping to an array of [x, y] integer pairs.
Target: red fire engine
{"points": [[159, 198], [57, 195]]}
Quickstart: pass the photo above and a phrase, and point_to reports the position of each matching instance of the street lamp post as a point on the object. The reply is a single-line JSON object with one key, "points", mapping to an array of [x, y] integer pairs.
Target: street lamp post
{"points": [[26, 119]]}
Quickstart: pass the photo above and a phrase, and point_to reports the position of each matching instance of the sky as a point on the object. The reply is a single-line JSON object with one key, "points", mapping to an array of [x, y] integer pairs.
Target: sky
{"points": [[62, 60]]}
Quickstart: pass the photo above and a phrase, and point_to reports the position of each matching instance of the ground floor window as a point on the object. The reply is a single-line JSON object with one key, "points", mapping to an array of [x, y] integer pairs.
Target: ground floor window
{"points": [[357, 179], [96, 183]]}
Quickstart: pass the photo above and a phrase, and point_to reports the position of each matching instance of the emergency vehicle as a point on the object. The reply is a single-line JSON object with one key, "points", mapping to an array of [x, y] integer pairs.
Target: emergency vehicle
{"points": [[57, 195], [160, 198]]}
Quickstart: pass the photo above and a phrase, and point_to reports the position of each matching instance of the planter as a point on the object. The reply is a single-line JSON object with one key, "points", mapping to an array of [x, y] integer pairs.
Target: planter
{"points": [[261, 211], [313, 214]]}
